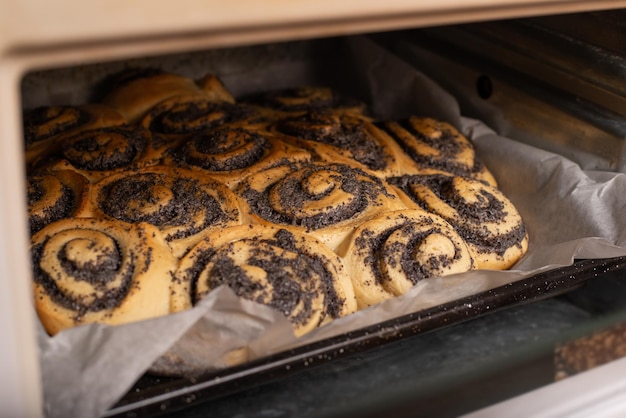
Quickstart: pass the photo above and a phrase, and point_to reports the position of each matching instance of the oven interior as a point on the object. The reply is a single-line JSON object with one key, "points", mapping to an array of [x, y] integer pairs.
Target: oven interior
{"points": [[555, 83]]}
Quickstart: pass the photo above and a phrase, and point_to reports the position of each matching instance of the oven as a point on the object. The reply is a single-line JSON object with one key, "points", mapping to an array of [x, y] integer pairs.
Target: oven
{"points": [[538, 85]]}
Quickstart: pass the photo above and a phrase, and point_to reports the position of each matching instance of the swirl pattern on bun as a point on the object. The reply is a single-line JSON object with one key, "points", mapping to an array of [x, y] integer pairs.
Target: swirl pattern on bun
{"points": [[232, 154], [98, 153], [304, 99], [389, 254], [335, 137], [181, 203], [326, 200], [54, 196], [295, 198], [178, 116], [45, 125], [93, 270], [135, 91], [289, 271], [481, 214], [437, 147]]}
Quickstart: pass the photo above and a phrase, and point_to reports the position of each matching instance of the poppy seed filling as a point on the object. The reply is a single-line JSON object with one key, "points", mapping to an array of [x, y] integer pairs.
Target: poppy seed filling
{"points": [[204, 150], [133, 199], [292, 192], [296, 276], [97, 274]]}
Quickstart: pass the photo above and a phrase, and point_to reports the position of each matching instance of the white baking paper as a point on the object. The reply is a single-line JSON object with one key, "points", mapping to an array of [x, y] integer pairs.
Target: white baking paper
{"points": [[569, 213]]}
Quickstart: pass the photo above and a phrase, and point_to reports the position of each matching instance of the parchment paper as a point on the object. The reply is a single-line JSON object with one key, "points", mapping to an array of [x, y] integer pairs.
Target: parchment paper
{"points": [[569, 213]]}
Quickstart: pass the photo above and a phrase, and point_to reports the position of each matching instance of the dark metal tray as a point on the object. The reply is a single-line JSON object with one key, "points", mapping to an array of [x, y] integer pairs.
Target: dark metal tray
{"points": [[153, 396]]}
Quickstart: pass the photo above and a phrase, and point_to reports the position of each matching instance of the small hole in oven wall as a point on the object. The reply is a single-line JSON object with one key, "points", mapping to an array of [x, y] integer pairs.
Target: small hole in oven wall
{"points": [[484, 87]]}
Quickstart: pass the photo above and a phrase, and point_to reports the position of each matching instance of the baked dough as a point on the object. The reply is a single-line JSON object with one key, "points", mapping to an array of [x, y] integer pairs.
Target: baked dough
{"points": [[98, 153], [293, 101], [54, 196], [135, 91], [332, 137], [280, 267], [231, 154], [92, 270], [325, 200], [181, 115], [388, 255], [181, 203], [44, 126], [437, 147], [481, 214], [288, 197]]}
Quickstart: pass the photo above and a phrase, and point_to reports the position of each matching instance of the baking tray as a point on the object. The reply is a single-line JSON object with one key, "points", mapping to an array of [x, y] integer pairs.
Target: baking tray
{"points": [[298, 62], [154, 396]]}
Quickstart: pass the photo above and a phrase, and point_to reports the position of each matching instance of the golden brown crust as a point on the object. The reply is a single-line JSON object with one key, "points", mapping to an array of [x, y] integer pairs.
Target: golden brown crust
{"points": [[45, 126], [136, 97], [232, 154], [300, 175], [181, 203], [279, 267], [299, 100], [182, 115], [176, 119], [89, 270], [481, 214], [335, 137], [437, 147], [56, 195], [99, 153], [389, 254], [325, 200], [214, 89]]}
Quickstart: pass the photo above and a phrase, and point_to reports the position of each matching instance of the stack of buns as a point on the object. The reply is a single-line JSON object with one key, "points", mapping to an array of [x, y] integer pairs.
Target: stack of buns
{"points": [[167, 188]]}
